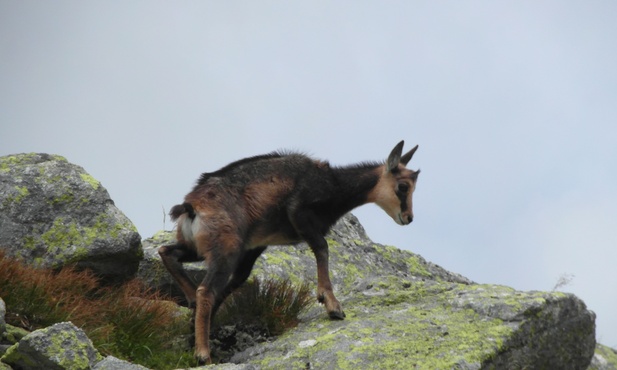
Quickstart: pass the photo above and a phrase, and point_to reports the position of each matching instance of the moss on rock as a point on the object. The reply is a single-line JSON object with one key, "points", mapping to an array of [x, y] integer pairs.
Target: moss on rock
{"points": [[61, 346], [54, 213]]}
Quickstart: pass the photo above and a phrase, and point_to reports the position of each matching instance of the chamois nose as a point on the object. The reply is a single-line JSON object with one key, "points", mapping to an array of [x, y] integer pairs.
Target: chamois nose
{"points": [[405, 219]]}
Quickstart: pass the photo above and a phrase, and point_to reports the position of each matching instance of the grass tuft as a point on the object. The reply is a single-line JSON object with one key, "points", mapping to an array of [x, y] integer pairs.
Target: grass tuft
{"points": [[129, 321], [271, 305]]}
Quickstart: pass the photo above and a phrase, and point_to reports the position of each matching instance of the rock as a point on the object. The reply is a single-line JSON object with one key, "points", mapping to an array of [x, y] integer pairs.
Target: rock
{"points": [[53, 213], [113, 363], [604, 358], [14, 334], [2, 319], [401, 323], [404, 311], [61, 346]]}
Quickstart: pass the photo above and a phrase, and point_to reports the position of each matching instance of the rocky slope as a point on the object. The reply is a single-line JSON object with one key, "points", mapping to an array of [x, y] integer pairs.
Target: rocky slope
{"points": [[402, 311], [405, 311]]}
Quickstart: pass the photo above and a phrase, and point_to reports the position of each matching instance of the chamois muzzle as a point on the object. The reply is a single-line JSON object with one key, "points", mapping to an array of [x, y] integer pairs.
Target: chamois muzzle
{"points": [[405, 219]]}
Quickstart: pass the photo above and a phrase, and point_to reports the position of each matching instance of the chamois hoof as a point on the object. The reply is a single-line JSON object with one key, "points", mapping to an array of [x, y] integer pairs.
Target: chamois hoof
{"points": [[337, 315], [203, 359]]}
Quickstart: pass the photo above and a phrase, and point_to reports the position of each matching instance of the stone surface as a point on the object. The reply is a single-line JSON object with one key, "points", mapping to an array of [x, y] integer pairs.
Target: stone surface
{"points": [[60, 346], [113, 363], [2, 319], [53, 213], [404, 311], [397, 322], [604, 358], [14, 334]]}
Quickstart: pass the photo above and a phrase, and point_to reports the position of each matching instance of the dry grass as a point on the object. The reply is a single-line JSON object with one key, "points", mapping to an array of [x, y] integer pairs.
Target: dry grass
{"points": [[132, 322], [128, 321]]}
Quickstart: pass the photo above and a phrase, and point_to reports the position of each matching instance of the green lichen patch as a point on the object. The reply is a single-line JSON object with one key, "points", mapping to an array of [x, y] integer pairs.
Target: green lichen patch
{"points": [[13, 334], [417, 330], [66, 241], [15, 195], [61, 346], [12, 161], [605, 358], [90, 180]]}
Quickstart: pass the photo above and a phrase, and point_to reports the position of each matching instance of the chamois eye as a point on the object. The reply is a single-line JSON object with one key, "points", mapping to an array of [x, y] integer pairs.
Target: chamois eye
{"points": [[403, 188]]}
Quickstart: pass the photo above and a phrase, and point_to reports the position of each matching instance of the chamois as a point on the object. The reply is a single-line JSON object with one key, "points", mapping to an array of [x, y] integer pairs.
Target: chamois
{"points": [[233, 214]]}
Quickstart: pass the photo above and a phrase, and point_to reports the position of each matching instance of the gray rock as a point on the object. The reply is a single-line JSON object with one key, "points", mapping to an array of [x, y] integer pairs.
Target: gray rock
{"points": [[113, 363], [230, 367], [604, 358], [404, 311], [398, 323], [14, 334], [53, 213], [61, 346], [2, 318]]}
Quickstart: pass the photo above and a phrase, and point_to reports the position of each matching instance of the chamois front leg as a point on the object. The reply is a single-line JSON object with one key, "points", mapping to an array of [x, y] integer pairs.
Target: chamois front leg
{"points": [[325, 295]]}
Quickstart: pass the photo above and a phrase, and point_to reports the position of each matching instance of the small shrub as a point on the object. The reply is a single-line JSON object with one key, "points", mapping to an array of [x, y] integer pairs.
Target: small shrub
{"points": [[271, 305]]}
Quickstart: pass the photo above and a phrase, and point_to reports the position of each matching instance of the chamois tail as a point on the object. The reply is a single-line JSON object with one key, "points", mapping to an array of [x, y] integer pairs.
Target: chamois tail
{"points": [[180, 209]]}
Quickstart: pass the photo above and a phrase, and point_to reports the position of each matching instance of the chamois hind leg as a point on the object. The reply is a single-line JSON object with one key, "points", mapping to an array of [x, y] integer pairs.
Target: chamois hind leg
{"points": [[172, 257], [240, 275], [222, 261]]}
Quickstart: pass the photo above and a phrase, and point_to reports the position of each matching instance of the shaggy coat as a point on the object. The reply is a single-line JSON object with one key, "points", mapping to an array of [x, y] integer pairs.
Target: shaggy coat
{"points": [[233, 214]]}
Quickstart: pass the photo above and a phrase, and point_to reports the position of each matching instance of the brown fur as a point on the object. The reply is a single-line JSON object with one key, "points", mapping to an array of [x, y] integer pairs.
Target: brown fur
{"points": [[233, 214]]}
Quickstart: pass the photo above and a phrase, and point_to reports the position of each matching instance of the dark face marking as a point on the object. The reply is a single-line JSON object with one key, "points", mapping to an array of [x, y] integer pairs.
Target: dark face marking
{"points": [[402, 192]]}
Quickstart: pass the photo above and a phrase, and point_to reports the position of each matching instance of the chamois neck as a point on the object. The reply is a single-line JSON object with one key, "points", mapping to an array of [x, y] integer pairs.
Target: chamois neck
{"points": [[354, 184]]}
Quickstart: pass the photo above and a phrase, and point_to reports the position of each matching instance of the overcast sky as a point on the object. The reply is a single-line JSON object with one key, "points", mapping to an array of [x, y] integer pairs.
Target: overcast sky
{"points": [[513, 104]]}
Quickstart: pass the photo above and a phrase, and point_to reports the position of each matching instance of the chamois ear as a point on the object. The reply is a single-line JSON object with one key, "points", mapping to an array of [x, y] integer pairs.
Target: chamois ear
{"points": [[395, 156], [407, 157]]}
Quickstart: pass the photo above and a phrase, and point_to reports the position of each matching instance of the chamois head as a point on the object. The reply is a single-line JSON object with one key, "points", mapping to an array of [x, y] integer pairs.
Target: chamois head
{"points": [[393, 193]]}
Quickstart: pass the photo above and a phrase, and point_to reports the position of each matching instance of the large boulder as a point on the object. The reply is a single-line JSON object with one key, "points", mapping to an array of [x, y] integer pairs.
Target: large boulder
{"points": [[53, 213], [61, 346], [401, 323], [403, 311]]}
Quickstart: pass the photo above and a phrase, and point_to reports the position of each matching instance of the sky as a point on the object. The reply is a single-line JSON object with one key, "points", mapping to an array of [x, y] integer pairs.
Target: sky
{"points": [[513, 105]]}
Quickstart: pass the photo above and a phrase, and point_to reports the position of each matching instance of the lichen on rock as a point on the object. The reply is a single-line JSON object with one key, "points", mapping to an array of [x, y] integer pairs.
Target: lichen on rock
{"points": [[61, 346], [53, 213], [405, 312]]}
